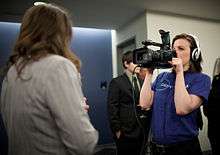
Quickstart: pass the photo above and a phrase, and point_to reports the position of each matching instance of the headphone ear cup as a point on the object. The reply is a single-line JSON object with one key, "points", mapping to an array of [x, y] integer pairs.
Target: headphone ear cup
{"points": [[197, 51], [195, 54]]}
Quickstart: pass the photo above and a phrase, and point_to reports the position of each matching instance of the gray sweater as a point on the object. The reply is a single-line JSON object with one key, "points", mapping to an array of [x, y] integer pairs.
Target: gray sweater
{"points": [[43, 112]]}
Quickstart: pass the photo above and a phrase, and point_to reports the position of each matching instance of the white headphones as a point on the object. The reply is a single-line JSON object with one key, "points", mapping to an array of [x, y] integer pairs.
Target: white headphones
{"points": [[197, 51]]}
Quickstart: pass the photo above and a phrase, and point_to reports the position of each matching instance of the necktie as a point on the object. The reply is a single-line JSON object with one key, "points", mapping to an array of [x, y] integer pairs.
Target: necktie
{"points": [[136, 90]]}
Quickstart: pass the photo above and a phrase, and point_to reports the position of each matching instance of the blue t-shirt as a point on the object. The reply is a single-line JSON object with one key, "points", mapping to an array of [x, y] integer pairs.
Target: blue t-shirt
{"points": [[167, 126]]}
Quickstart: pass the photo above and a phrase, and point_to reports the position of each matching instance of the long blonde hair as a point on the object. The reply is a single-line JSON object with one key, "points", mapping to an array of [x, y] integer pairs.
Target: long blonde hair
{"points": [[45, 29]]}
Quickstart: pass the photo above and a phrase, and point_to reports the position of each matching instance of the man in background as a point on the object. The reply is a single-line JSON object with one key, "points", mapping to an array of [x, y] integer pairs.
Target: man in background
{"points": [[123, 97]]}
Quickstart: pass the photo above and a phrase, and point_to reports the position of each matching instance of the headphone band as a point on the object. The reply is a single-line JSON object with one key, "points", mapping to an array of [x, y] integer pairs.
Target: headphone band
{"points": [[197, 41]]}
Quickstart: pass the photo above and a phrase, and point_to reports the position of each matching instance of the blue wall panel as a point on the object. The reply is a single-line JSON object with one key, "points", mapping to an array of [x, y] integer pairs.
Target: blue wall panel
{"points": [[8, 33], [93, 46]]}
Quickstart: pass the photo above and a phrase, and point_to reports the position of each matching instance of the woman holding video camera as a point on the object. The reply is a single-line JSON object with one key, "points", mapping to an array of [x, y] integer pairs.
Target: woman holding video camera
{"points": [[175, 98]]}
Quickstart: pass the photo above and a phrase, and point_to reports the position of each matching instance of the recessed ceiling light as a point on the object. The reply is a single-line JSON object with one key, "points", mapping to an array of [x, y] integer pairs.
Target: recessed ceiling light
{"points": [[39, 3]]}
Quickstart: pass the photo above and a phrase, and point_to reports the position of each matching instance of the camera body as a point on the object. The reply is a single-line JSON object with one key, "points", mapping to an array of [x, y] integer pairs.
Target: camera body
{"points": [[148, 58]]}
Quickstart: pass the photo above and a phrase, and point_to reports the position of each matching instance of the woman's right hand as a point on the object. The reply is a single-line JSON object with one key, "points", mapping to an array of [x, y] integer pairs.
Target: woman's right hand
{"points": [[85, 104]]}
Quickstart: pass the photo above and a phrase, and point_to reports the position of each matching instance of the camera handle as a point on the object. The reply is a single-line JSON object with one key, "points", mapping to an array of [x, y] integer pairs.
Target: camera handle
{"points": [[151, 43]]}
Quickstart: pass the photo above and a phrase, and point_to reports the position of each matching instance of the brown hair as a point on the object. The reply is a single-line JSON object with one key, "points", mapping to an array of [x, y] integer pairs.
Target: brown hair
{"points": [[45, 29], [195, 66], [128, 57]]}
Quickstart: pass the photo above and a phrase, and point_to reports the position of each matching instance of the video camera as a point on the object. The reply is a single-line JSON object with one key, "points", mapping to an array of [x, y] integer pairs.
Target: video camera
{"points": [[149, 58]]}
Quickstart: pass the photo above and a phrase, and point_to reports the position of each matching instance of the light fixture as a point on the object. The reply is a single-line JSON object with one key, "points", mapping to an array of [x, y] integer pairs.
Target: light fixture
{"points": [[39, 3]]}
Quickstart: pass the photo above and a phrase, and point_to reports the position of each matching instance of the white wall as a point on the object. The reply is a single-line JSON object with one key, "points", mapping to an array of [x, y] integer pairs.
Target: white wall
{"points": [[114, 54], [136, 28]]}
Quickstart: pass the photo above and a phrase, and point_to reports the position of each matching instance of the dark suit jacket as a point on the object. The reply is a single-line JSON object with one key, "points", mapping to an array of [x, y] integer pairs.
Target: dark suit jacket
{"points": [[121, 107], [211, 110]]}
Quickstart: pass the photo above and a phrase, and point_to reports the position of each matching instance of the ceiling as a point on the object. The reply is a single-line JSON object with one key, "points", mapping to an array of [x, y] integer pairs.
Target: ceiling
{"points": [[112, 14]]}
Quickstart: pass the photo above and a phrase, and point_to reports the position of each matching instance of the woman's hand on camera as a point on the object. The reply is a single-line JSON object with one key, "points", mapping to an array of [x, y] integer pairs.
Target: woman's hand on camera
{"points": [[177, 64]]}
